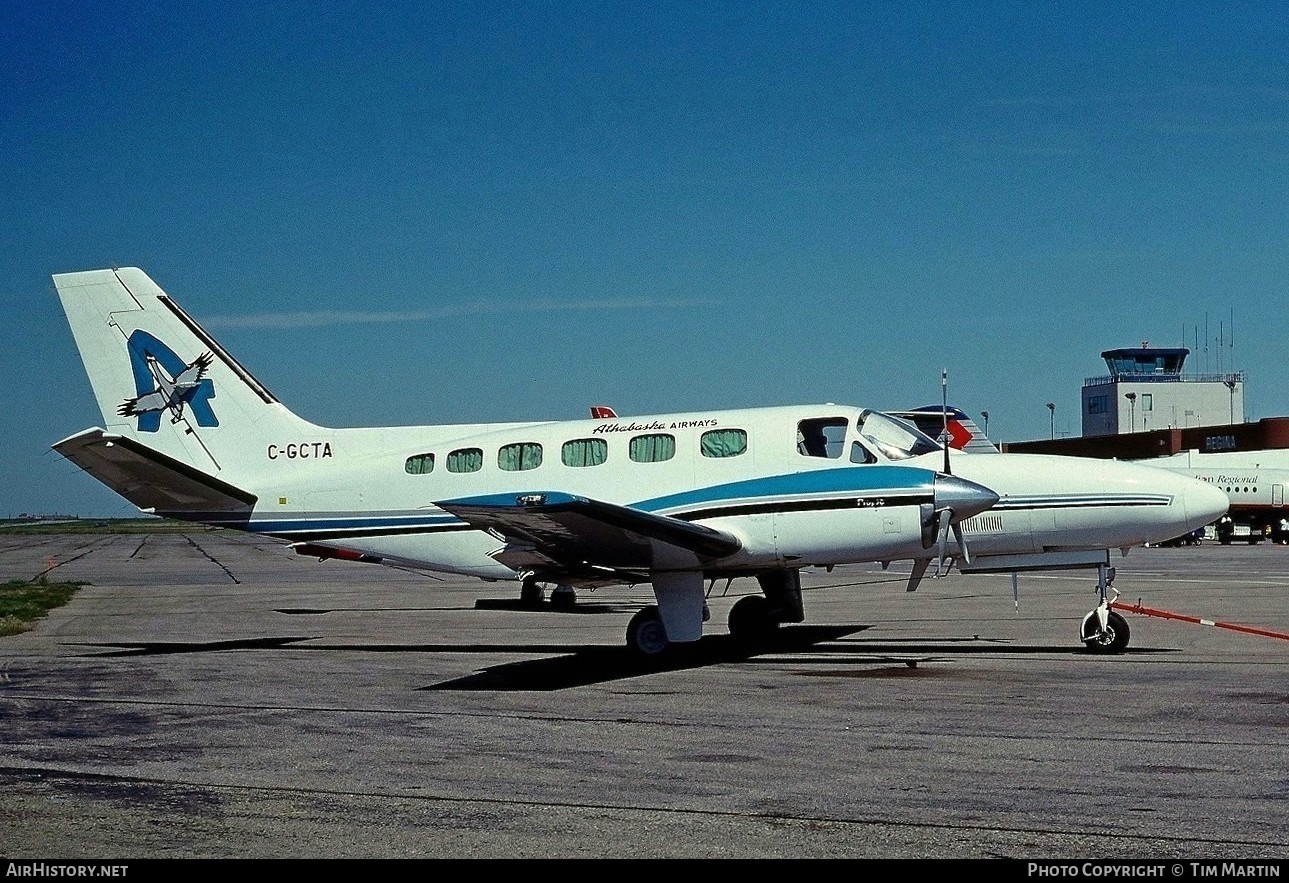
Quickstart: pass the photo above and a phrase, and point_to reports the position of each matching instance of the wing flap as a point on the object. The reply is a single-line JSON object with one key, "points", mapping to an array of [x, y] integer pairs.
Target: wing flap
{"points": [[577, 531], [149, 479]]}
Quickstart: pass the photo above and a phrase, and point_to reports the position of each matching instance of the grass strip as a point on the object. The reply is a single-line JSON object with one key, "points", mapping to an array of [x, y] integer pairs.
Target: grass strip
{"points": [[23, 602]]}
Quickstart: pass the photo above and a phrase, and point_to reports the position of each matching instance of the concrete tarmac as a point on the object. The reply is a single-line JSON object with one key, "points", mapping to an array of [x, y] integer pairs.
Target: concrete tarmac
{"points": [[211, 694]]}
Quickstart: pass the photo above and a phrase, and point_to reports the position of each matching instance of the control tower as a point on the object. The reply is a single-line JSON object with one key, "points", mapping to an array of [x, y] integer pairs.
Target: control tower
{"points": [[1147, 390]]}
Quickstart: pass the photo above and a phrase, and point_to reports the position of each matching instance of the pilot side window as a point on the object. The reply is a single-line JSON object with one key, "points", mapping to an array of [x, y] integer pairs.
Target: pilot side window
{"points": [[419, 464], [822, 437], [861, 454], [723, 443], [465, 460], [652, 448], [584, 452], [520, 456]]}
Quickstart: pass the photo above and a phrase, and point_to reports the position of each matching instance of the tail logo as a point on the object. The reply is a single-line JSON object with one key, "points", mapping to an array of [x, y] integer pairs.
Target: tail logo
{"points": [[166, 383]]}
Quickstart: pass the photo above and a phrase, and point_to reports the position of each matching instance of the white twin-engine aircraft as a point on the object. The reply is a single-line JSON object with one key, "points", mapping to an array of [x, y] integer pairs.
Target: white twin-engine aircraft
{"points": [[674, 500]]}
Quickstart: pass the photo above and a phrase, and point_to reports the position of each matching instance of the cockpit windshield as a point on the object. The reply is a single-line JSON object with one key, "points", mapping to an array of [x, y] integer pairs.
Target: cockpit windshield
{"points": [[895, 438]]}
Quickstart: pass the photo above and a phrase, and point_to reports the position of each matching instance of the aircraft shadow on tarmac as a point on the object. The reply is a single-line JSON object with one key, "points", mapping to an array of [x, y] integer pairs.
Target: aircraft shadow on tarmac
{"points": [[827, 647]]}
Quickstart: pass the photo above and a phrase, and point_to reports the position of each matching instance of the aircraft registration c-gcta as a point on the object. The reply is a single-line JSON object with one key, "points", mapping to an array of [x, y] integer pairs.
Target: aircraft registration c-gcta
{"points": [[673, 500]]}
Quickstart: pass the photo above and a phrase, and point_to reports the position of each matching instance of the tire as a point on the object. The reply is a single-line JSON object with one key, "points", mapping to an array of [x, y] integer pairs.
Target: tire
{"points": [[646, 635], [750, 619], [531, 593], [1115, 640]]}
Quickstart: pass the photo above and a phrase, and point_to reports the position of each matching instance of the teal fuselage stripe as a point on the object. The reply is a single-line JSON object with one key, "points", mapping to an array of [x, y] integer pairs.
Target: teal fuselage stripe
{"points": [[771, 494], [815, 490], [856, 480]]}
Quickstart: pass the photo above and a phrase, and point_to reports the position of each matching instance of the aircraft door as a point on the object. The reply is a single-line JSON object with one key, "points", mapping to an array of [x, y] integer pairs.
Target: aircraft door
{"points": [[1277, 495]]}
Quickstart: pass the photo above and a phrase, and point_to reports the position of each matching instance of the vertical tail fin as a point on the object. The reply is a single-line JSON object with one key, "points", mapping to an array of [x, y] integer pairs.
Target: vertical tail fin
{"points": [[165, 384], [964, 434]]}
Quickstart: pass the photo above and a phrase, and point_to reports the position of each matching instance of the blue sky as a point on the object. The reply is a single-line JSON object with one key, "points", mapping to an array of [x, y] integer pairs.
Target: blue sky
{"points": [[477, 211]]}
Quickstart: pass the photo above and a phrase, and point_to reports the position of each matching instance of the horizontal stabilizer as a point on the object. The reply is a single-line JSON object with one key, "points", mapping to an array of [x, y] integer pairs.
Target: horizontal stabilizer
{"points": [[149, 479], [577, 530]]}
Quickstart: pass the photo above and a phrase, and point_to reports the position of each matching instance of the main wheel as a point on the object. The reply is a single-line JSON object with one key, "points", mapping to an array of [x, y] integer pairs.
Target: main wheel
{"points": [[1113, 640], [563, 598], [531, 593], [646, 634], [750, 619]]}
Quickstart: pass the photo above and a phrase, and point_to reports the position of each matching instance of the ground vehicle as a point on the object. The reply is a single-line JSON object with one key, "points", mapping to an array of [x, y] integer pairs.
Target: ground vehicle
{"points": [[1194, 538], [1231, 531]]}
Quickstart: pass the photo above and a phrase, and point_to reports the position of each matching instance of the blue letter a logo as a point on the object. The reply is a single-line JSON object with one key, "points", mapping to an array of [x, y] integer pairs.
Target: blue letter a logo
{"points": [[165, 382]]}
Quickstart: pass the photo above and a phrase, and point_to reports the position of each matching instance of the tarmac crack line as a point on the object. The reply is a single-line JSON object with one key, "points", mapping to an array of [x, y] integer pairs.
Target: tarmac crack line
{"points": [[93, 546], [212, 559], [1112, 739], [705, 812]]}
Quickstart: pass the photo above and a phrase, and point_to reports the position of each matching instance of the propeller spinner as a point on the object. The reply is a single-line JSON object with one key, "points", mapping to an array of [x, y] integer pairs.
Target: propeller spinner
{"points": [[954, 501]]}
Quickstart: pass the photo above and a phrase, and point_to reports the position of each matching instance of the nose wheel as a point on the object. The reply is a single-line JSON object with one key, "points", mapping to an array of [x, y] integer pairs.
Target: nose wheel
{"points": [[1110, 637], [1103, 630]]}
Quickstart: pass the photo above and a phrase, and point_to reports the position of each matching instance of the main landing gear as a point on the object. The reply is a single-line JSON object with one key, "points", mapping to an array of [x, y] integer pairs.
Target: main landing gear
{"points": [[752, 619], [1103, 630], [531, 594], [755, 618], [647, 636]]}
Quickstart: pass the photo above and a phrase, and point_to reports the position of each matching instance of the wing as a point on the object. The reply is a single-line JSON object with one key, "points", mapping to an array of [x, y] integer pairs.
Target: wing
{"points": [[552, 529], [153, 401], [196, 371]]}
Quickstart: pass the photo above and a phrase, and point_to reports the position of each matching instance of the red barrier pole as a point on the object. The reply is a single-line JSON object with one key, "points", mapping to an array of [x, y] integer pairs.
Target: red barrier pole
{"points": [[1150, 611]]}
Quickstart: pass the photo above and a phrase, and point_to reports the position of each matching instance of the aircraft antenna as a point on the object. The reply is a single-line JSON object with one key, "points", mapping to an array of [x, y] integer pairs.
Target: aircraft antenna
{"points": [[944, 407]]}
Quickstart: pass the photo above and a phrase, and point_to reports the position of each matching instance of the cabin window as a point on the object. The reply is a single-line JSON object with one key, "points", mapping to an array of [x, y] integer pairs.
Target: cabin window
{"points": [[723, 443], [652, 448], [584, 452], [419, 464], [861, 454], [465, 460], [822, 437], [520, 456]]}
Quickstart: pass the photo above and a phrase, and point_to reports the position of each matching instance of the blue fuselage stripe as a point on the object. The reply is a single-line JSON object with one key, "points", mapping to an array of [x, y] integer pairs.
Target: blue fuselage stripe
{"points": [[815, 490]]}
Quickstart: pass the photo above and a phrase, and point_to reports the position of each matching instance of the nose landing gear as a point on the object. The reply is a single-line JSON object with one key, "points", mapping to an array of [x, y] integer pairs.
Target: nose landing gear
{"points": [[1103, 630]]}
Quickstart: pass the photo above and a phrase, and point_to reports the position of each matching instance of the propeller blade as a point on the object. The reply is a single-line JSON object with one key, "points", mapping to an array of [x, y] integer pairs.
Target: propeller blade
{"points": [[919, 570], [946, 523], [930, 525], [962, 542]]}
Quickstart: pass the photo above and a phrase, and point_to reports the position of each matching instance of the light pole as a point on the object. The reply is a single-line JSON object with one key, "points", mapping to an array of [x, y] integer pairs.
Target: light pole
{"points": [[1132, 401], [1230, 385], [985, 414], [1051, 406]]}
